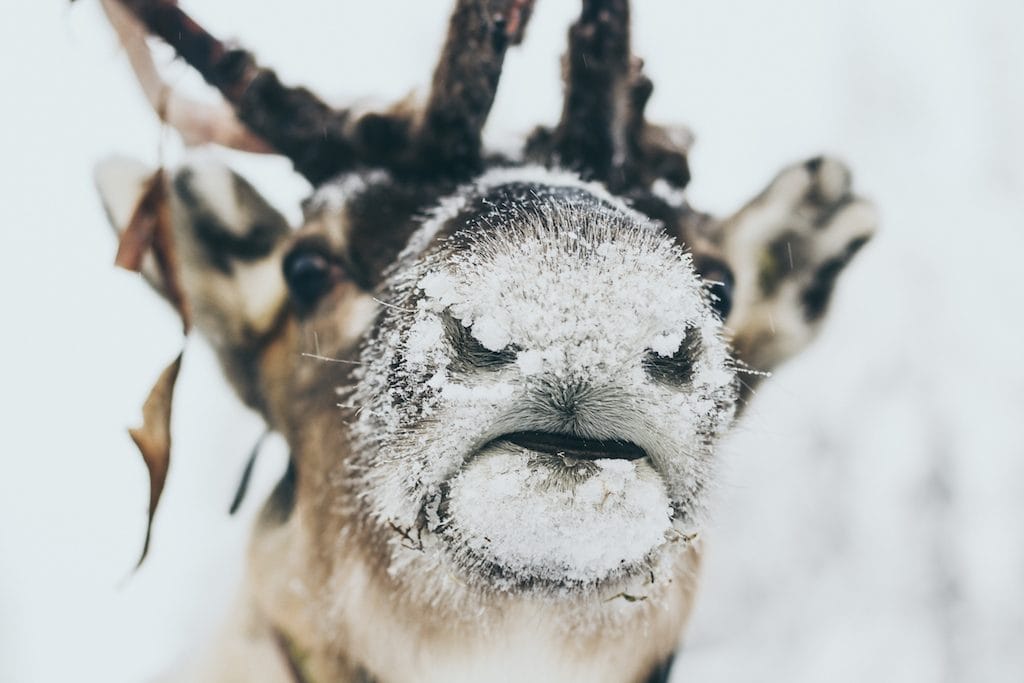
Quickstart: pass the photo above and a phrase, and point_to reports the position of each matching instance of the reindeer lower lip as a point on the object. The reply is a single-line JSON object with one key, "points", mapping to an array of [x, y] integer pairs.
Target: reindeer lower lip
{"points": [[572, 446]]}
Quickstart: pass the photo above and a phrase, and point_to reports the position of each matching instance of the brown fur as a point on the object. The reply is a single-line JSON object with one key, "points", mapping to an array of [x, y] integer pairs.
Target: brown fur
{"points": [[321, 593]]}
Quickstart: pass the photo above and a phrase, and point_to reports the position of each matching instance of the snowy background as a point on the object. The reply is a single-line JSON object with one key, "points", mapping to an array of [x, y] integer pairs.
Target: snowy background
{"points": [[870, 524]]}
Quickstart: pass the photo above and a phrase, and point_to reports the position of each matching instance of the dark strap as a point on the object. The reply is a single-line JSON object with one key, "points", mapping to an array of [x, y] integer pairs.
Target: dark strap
{"points": [[661, 672], [293, 661], [291, 657]]}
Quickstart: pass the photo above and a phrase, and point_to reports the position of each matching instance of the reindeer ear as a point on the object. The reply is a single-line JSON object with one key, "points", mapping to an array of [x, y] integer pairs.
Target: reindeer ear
{"points": [[228, 244], [121, 182], [787, 248]]}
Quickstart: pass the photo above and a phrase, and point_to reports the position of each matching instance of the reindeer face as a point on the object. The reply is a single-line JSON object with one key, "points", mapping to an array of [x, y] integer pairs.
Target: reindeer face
{"points": [[502, 395], [544, 387]]}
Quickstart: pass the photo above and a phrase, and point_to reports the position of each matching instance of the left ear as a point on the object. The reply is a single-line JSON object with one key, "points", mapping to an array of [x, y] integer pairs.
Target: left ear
{"points": [[786, 249], [229, 246]]}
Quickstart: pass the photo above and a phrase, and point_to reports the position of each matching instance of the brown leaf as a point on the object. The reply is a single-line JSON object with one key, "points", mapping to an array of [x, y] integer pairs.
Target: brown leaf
{"points": [[150, 227], [153, 439], [137, 238]]}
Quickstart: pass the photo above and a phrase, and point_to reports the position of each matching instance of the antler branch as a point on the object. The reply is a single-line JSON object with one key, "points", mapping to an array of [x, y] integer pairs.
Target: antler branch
{"points": [[602, 131], [319, 140], [197, 122], [466, 78], [590, 133], [322, 141]]}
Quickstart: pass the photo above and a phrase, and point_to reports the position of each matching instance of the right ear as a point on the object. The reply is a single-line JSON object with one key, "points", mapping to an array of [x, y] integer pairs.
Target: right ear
{"points": [[787, 248], [229, 245]]}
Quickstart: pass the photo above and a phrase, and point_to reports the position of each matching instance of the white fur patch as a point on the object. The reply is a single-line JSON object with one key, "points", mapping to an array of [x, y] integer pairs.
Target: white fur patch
{"points": [[530, 523]]}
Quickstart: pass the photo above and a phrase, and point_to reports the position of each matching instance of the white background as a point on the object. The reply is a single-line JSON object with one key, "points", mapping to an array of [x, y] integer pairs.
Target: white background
{"points": [[870, 522]]}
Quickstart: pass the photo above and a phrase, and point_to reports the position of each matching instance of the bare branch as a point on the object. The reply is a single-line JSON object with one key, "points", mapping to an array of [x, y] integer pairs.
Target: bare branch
{"points": [[197, 122], [466, 79]]}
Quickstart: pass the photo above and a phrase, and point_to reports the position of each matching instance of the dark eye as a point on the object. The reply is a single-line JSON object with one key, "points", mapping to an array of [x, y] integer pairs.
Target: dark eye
{"points": [[309, 273], [719, 278], [471, 353], [677, 368]]}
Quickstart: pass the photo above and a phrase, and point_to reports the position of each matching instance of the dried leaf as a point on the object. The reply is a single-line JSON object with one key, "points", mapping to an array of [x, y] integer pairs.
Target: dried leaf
{"points": [[150, 227], [137, 238], [153, 439]]}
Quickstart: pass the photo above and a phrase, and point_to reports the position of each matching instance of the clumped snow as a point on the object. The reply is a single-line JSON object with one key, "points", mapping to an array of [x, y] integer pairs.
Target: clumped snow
{"points": [[869, 524], [579, 291], [525, 521]]}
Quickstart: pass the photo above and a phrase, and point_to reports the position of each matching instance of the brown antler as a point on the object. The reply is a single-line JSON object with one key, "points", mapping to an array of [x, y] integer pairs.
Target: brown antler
{"points": [[319, 140], [602, 132], [196, 121], [322, 141], [466, 79]]}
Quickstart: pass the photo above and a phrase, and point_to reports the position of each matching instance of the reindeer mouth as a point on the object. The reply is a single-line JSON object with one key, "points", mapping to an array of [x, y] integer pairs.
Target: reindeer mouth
{"points": [[537, 508], [572, 446]]}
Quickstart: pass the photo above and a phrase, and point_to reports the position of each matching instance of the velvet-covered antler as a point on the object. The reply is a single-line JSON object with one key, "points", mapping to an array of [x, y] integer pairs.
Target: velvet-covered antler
{"points": [[320, 140], [602, 132], [466, 79]]}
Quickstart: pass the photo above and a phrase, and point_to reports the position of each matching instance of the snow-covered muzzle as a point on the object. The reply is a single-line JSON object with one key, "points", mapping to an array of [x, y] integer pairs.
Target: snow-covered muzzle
{"points": [[542, 394]]}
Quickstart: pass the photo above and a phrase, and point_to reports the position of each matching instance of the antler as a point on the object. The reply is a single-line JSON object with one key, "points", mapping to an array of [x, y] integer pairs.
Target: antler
{"points": [[322, 141], [196, 121], [602, 131], [466, 78]]}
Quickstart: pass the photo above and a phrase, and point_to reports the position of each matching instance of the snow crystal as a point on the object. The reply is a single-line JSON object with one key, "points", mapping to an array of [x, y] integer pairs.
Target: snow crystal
{"points": [[438, 286], [523, 520], [584, 290], [666, 343], [332, 196], [530, 362], [424, 336], [491, 333]]}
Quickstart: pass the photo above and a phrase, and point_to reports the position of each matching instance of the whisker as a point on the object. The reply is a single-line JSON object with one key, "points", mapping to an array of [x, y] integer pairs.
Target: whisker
{"points": [[328, 359], [390, 305]]}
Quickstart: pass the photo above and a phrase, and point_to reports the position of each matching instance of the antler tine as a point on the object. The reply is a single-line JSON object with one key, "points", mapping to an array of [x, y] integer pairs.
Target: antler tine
{"points": [[466, 79], [653, 152], [589, 136], [602, 131], [319, 140], [197, 122]]}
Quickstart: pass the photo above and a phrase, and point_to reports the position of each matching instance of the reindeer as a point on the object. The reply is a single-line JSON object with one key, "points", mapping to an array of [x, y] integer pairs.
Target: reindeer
{"points": [[502, 379]]}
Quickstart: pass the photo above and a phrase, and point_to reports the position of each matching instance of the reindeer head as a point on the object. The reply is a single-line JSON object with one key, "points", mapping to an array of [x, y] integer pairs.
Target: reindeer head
{"points": [[502, 380]]}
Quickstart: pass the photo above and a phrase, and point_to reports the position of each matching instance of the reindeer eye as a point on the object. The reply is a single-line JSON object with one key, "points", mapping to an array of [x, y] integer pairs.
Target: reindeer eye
{"points": [[720, 281], [721, 295], [309, 274]]}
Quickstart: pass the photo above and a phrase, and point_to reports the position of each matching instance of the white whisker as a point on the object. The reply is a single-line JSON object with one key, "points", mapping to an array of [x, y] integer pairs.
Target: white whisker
{"points": [[328, 359], [397, 308]]}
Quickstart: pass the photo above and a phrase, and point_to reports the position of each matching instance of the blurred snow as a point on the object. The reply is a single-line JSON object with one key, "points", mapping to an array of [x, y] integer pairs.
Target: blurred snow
{"points": [[870, 522]]}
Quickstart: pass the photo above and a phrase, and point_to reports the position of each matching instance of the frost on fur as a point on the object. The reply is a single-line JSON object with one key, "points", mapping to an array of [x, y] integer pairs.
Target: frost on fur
{"points": [[546, 325], [532, 375]]}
